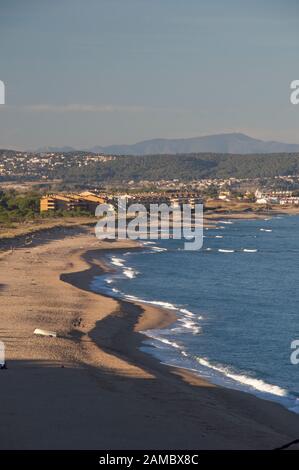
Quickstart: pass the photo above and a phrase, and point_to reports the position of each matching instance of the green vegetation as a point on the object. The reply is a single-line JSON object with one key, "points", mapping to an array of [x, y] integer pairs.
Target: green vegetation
{"points": [[184, 167], [74, 171], [17, 208]]}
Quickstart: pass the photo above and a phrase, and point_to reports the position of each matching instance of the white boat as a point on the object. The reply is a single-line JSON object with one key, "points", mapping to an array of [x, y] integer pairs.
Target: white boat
{"points": [[40, 332]]}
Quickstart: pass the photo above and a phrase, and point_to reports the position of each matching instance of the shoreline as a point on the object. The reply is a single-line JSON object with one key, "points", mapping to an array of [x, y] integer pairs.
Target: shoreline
{"points": [[92, 387], [171, 315], [215, 210]]}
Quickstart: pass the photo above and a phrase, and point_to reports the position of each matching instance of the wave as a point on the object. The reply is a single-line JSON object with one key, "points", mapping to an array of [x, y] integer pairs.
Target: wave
{"points": [[127, 271], [159, 303], [186, 320], [117, 261], [130, 273], [151, 334], [172, 350], [228, 222], [157, 249], [243, 381], [219, 236], [256, 384], [265, 230], [188, 325], [187, 312], [167, 305]]}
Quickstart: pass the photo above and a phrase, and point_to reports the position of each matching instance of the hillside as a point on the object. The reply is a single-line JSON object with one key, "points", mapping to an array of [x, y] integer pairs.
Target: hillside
{"points": [[184, 167]]}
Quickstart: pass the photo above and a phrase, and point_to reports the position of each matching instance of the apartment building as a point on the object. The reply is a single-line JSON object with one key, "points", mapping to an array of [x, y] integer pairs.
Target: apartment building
{"points": [[67, 202]]}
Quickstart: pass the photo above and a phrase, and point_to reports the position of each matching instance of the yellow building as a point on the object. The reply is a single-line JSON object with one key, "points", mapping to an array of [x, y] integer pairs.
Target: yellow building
{"points": [[68, 202]]}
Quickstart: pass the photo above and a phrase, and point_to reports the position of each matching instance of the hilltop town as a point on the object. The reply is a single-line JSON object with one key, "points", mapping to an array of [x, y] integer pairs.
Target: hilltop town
{"points": [[23, 165]]}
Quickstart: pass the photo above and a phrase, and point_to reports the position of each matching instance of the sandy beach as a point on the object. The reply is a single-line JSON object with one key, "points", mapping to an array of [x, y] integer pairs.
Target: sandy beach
{"points": [[92, 387]]}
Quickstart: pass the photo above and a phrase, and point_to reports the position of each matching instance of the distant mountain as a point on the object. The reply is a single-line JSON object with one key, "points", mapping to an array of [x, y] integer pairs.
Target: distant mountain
{"points": [[235, 143], [218, 143]]}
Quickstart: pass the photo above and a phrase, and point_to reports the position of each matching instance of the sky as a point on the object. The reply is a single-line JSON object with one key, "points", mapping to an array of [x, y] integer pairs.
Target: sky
{"points": [[100, 72]]}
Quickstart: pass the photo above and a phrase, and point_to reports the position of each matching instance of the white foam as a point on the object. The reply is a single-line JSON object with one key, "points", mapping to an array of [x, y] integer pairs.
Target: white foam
{"points": [[158, 249], [226, 251], [228, 222], [187, 312], [166, 305], [186, 322], [133, 297], [130, 273], [219, 236], [247, 250], [190, 325], [163, 340], [117, 261], [265, 230], [256, 384]]}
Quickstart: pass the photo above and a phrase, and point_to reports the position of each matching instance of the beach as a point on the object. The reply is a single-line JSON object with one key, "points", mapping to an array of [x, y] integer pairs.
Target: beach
{"points": [[92, 387]]}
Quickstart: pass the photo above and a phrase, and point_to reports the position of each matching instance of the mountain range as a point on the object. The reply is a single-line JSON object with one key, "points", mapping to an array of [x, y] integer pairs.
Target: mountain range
{"points": [[233, 143]]}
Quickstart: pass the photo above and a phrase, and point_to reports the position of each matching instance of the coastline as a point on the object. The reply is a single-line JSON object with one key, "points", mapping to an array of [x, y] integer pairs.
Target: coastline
{"points": [[92, 387], [115, 265]]}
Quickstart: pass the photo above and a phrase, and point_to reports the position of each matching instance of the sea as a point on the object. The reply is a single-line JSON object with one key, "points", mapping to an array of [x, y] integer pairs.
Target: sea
{"points": [[236, 300]]}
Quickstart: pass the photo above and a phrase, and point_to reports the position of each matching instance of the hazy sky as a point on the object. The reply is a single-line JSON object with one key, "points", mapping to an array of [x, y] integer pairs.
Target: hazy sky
{"points": [[86, 72]]}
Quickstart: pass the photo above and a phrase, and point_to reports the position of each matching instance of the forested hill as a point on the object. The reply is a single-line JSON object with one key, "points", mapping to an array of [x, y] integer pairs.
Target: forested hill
{"points": [[84, 167], [184, 167]]}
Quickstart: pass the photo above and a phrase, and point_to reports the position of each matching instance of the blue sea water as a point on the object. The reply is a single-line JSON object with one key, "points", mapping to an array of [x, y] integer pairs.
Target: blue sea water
{"points": [[238, 311]]}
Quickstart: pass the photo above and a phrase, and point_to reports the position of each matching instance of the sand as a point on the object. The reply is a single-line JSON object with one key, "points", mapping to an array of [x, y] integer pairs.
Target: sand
{"points": [[92, 387]]}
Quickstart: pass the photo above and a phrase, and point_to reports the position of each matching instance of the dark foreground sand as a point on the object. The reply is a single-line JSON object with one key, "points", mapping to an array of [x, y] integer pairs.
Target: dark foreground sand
{"points": [[92, 388]]}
